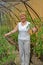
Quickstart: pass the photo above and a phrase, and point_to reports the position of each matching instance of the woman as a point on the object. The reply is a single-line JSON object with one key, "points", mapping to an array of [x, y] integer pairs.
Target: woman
{"points": [[23, 38]]}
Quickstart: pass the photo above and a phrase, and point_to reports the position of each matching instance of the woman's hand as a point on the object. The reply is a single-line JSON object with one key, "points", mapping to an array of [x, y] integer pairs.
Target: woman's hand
{"points": [[13, 31], [30, 31], [34, 29], [6, 35]]}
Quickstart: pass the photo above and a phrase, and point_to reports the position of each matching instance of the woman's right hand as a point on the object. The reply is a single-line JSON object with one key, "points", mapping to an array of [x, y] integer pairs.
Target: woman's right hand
{"points": [[6, 35]]}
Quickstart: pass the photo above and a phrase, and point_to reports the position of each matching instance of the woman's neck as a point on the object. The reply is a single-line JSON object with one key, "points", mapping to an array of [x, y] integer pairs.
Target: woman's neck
{"points": [[23, 23]]}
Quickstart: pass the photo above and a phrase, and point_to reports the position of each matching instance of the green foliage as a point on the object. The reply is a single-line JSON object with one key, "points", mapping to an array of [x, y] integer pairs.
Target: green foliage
{"points": [[33, 39], [37, 39], [6, 49], [15, 36], [39, 47], [39, 44]]}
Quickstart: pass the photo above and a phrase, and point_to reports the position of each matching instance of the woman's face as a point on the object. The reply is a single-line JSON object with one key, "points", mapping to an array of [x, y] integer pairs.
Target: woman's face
{"points": [[23, 18]]}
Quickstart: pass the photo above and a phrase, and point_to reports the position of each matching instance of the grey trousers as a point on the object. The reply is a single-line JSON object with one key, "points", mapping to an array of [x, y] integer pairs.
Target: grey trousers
{"points": [[24, 50]]}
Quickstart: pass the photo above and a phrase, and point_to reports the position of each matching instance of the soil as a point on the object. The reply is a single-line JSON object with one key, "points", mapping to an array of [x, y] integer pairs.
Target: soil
{"points": [[34, 59]]}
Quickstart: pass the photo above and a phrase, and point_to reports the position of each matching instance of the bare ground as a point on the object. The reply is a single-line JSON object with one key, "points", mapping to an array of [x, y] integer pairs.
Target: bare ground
{"points": [[34, 59]]}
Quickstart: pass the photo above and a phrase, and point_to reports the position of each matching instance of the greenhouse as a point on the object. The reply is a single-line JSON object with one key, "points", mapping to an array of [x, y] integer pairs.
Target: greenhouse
{"points": [[9, 18]]}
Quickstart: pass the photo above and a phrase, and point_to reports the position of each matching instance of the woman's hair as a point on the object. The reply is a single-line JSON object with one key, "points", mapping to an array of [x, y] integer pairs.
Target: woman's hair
{"points": [[22, 13]]}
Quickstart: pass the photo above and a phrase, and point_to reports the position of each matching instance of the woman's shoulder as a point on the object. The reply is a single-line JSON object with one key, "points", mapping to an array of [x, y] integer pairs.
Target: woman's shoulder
{"points": [[28, 22], [19, 23]]}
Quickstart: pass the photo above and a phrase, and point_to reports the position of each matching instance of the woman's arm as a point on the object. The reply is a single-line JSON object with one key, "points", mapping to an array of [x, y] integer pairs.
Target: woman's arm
{"points": [[33, 30], [13, 31]]}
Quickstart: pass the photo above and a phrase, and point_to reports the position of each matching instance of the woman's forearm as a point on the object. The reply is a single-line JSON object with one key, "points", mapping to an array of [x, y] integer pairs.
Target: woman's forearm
{"points": [[30, 31], [13, 31], [34, 29], [7, 34]]}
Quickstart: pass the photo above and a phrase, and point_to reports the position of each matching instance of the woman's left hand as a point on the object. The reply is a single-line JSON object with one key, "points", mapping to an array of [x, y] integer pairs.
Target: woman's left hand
{"points": [[34, 29]]}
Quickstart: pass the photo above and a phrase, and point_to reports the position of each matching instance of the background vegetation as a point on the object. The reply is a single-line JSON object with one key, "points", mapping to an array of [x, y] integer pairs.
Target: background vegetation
{"points": [[7, 23]]}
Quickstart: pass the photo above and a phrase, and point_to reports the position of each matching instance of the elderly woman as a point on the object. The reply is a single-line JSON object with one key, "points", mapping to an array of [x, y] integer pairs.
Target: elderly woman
{"points": [[23, 27]]}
